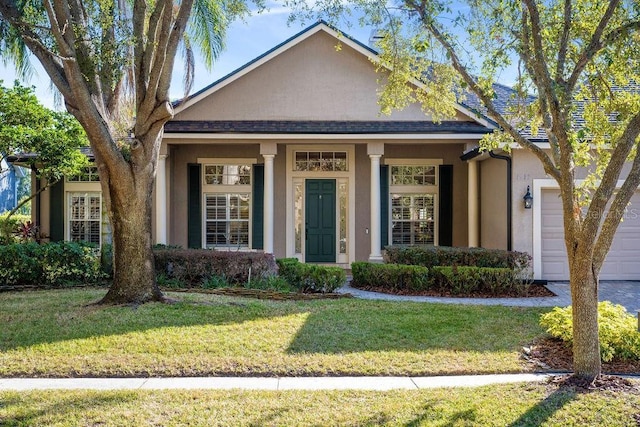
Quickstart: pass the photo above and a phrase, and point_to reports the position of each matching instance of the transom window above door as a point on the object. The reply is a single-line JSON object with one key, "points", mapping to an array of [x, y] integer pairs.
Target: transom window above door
{"points": [[227, 174], [320, 161], [413, 175]]}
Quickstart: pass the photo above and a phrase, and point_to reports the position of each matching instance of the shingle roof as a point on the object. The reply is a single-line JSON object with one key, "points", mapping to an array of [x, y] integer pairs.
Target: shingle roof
{"points": [[322, 127]]}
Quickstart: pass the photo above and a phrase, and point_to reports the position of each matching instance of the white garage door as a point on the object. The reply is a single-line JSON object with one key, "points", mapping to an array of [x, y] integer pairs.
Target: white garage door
{"points": [[623, 261]]}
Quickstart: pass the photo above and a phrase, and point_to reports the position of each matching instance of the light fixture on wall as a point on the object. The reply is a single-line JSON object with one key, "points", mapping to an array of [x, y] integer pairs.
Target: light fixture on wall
{"points": [[528, 199]]}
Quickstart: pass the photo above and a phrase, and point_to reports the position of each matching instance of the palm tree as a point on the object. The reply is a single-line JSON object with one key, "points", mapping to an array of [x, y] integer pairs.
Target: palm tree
{"points": [[112, 62]]}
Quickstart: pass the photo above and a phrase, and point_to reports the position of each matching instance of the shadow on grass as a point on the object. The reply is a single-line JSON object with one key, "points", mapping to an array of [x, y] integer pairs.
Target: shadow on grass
{"points": [[62, 408], [330, 326], [543, 410], [47, 317], [415, 327]]}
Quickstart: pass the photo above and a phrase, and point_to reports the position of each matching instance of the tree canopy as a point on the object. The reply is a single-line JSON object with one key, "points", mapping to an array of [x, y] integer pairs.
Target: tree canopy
{"points": [[575, 67], [47, 141]]}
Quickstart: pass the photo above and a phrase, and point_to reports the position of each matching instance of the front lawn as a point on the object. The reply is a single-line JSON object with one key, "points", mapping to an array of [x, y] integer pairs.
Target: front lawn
{"points": [[56, 333], [498, 405]]}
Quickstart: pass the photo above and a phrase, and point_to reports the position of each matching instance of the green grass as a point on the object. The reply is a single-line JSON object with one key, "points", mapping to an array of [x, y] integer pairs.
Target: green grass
{"points": [[500, 405], [57, 334]]}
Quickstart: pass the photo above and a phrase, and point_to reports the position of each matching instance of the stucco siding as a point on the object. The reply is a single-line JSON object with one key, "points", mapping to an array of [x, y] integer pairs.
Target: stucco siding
{"points": [[493, 204], [310, 81]]}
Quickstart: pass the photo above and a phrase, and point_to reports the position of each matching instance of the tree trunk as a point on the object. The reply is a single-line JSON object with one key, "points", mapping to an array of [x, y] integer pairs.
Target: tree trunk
{"points": [[586, 343], [134, 280]]}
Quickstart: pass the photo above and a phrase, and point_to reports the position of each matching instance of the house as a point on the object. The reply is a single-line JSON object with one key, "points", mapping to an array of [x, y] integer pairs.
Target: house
{"points": [[9, 182], [290, 155]]}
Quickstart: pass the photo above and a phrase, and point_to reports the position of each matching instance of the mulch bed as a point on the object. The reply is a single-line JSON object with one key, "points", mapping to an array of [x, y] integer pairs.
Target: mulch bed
{"points": [[552, 354], [262, 294], [531, 292]]}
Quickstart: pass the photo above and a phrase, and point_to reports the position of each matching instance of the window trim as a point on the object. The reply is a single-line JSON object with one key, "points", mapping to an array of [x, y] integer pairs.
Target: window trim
{"points": [[415, 190], [68, 219], [213, 189]]}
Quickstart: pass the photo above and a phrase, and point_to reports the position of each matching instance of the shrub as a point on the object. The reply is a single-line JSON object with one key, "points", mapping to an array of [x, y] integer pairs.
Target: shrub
{"points": [[467, 280], [271, 283], [48, 265], [9, 227], [617, 328], [194, 267], [311, 277], [394, 277], [431, 256]]}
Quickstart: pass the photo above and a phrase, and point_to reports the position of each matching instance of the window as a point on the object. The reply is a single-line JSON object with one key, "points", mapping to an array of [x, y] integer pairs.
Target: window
{"points": [[413, 175], [320, 161], [85, 217], [227, 220], [88, 174], [413, 219], [227, 174], [414, 187]]}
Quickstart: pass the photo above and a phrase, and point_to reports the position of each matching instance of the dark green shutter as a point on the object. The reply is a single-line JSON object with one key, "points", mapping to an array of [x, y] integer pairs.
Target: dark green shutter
{"points": [[445, 210], [194, 206], [384, 206], [56, 211], [257, 235]]}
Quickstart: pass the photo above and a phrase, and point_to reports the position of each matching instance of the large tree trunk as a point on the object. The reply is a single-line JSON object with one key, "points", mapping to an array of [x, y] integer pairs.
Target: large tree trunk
{"points": [[134, 280], [586, 343]]}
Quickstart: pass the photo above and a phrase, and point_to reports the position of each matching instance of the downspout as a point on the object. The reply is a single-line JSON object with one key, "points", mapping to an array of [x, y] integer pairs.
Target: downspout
{"points": [[509, 196]]}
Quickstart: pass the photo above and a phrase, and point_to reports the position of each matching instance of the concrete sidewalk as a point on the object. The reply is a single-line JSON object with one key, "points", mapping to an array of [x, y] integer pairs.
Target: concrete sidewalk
{"points": [[265, 383]]}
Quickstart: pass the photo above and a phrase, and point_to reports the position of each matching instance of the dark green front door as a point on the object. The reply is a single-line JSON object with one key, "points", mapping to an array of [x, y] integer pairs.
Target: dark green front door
{"points": [[320, 196]]}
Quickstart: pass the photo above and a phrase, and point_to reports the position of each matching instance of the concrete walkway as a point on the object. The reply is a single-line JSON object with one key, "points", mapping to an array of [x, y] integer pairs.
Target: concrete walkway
{"points": [[626, 293], [275, 384]]}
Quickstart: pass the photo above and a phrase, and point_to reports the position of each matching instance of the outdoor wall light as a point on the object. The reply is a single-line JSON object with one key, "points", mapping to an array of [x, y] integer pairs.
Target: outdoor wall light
{"points": [[528, 199]]}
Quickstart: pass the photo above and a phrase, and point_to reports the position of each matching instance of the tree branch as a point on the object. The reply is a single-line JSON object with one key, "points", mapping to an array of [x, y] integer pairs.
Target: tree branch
{"points": [[621, 199], [547, 164], [597, 42], [564, 41]]}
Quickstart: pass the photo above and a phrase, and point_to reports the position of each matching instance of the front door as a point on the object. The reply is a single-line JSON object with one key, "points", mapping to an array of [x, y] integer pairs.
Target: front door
{"points": [[320, 207]]}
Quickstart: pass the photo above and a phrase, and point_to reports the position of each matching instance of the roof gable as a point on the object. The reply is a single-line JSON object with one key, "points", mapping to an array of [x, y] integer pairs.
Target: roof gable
{"points": [[327, 73]]}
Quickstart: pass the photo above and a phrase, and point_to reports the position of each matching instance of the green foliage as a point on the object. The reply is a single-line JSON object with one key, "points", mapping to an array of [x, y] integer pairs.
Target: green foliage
{"points": [[271, 283], [195, 267], [469, 280], [26, 126], [394, 277], [430, 256], [48, 265], [216, 282], [311, 277], [619, 337], [9, 225]]}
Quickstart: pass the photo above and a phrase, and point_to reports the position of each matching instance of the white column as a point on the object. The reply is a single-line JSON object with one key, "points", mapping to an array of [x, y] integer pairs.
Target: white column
{"points": [[376, 252], [161, 200], [268, 203], [473, 213]]}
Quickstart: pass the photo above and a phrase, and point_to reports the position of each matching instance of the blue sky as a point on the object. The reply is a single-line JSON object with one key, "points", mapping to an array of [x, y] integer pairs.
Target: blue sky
{"points": [[245, 41]]}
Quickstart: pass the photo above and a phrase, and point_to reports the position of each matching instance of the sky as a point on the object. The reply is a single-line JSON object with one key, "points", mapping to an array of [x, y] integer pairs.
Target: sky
{"points": [[245, 41]]}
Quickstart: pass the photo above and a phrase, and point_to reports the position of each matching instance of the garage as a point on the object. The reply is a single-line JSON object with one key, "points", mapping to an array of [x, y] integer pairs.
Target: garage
{"points": [[623, 260]]}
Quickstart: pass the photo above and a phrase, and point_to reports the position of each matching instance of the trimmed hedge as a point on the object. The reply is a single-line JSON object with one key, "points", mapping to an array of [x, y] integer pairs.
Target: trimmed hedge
{"points": [[469, 280], [448, 280], [431, 256], [193, 268], [48, 265], [395, 277], [619, 337], [308, 278]]}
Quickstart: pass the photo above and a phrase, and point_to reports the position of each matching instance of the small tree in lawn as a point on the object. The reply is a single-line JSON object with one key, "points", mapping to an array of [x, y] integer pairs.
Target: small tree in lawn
{"points": [[27, 127], [99, 55], [581, 61]]}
